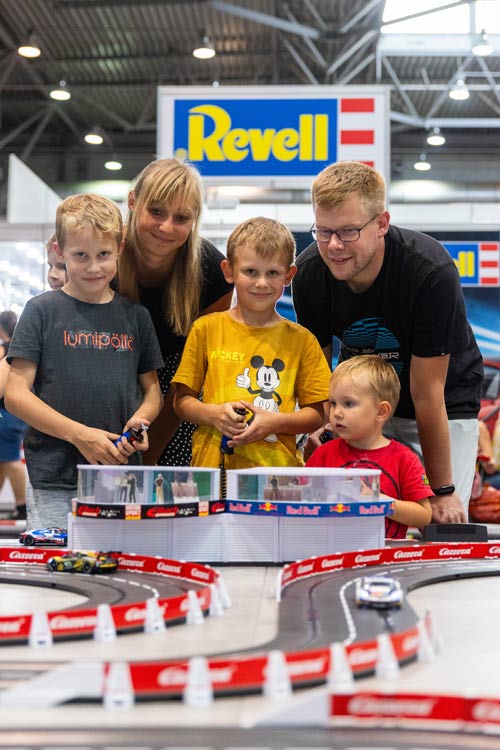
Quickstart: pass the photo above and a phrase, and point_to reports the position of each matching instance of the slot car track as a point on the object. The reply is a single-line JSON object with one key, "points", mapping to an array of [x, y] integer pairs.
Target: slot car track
{"points": [[315, 611], [206, 738], [121, 588]]}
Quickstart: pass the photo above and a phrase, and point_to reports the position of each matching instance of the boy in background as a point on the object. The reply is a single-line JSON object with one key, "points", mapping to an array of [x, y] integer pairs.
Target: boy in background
{"points": [[83, 363], [56, 274], [364, 391], [251, 352]]}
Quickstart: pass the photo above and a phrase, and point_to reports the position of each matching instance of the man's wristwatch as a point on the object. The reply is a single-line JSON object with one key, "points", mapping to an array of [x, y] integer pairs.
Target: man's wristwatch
{"points": [[445, 489]]}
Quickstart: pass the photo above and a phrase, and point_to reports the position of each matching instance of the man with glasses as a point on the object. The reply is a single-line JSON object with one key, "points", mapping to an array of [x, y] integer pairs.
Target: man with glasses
{"points": [[395, 292]]}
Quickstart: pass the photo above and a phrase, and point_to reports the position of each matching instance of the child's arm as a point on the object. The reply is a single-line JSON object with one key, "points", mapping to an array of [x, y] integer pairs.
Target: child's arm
{"points": [[94, 444], [4, 371], [306, 419], [147, 412], [412, 513], [221, 416]]}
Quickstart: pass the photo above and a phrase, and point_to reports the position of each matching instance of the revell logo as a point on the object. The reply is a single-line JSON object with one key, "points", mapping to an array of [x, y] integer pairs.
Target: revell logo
{"points": [[261, 136]]}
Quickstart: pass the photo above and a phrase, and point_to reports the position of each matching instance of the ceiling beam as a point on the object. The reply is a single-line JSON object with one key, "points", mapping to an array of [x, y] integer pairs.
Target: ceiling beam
{"points": [[20, 128], [350, 49], [276, 23], [37, 134], [359, 16], [300, 62]]}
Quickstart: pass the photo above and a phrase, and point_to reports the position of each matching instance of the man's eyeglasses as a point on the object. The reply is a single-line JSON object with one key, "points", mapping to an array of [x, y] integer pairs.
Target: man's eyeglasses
{"points": [[344, 235]]}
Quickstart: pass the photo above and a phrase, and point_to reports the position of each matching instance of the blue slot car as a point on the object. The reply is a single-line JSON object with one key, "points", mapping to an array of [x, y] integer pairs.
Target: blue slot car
{"points": [[53, 535]]}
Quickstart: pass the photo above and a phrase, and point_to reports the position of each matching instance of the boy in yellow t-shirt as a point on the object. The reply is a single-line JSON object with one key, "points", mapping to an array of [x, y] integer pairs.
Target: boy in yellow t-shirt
{"points": [[249, 357]]}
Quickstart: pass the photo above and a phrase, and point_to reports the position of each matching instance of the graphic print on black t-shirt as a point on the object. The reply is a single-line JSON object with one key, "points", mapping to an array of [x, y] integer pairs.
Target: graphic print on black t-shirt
{"points": [[367, 336]]}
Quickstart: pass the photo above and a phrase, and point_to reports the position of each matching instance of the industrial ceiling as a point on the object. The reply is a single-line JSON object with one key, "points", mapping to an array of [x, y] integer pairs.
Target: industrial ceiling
{"points": [[113, 54]]}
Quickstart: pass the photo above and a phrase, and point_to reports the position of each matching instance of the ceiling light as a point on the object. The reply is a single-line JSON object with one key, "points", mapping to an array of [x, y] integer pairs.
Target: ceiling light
{"points": [[482, 46], [459, 91], [422, 165], [30, 48], [205, 50], [94, 137], [113, 165], [60, 93], [435, 138]]}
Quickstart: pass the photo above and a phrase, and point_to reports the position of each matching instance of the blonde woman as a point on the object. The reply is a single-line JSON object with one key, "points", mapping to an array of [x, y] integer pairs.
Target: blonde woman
{"points": [[171, 270]]}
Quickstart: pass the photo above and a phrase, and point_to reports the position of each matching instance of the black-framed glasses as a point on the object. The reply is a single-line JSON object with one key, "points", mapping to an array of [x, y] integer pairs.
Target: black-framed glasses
{"points": [[344, 235]]}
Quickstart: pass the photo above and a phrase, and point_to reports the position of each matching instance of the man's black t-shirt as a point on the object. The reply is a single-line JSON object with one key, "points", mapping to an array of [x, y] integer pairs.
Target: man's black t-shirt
{"points": [[415, 306]]}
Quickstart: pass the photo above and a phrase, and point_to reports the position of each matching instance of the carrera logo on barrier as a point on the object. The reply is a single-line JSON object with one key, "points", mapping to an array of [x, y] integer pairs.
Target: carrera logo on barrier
{"points": [[203, 574], [308, 666], [26, 555], [360, 656], [304, 569], [446, 552], [169, 569], [138, 614], [495, 550], [11, 626], [408, 555], [62, 622], [131, 563], [362, 559], [171, 676], [373, 706], [486, 711], [338, 562]]}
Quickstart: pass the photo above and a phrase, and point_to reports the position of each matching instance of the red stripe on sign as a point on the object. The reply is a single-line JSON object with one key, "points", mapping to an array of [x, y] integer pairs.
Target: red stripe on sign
{"points": [[489, 280], [357, 137], [357, 105], [486, 246], [489, 264]]}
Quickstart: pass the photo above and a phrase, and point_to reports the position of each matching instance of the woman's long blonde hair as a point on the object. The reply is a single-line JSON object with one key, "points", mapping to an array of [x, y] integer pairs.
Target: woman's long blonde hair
{"points": [[168, 181]]}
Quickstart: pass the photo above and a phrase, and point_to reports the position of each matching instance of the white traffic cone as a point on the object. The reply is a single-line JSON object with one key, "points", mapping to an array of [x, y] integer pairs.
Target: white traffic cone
{"points": [[118, 688], [40, 633], [436, 640], [340, 678], [216, 609], [105, 630], [153, 621], [198, 692], [223, 593], [194, 613], [425, 651], [277, 684], [387, 666]]}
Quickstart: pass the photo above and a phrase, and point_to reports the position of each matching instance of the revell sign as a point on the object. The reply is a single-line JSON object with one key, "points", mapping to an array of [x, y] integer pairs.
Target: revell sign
{"points": [[273, 132], [477, 262]]}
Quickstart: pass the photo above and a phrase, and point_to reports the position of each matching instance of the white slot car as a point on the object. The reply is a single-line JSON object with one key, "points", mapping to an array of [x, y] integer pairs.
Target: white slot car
{"points": [[378, 591]]}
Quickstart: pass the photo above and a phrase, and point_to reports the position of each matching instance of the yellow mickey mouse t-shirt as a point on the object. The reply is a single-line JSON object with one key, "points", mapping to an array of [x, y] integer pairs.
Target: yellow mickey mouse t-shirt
{"points": [[275, 368]]}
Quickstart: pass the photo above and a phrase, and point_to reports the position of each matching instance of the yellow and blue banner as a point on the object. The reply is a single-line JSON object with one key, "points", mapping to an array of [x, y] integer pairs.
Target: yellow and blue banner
{"points": [[273, 132]]}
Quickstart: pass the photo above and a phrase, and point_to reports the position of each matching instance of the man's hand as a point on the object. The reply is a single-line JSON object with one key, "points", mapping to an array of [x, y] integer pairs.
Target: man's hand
{"points": [[447, 509]]}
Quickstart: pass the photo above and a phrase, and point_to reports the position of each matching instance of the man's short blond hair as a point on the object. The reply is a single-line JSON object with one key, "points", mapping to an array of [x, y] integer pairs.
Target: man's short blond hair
{"points": [[381, 377], [88, 210], [339, 181], [267, 237]]}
